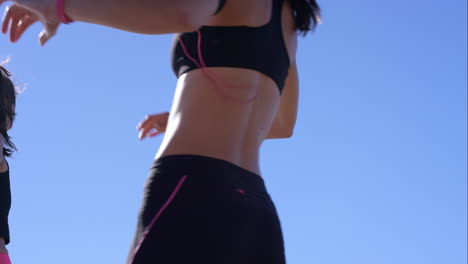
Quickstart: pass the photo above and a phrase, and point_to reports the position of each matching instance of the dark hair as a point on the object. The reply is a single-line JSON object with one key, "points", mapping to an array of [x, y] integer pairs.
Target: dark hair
{"points": [[7, 100], [306, 14]]}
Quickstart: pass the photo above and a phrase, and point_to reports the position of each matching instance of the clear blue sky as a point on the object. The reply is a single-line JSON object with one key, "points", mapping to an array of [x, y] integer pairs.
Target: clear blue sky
{"points": [[376, 172]]}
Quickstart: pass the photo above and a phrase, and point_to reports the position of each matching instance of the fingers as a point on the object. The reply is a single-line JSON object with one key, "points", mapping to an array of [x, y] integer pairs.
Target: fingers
{"points": [[23, 25], [143, 133], [150, 128], [17, 20], [158, 121], [145, 127], [149, 133], [50, 29], [153, 125], [6, 19], [13, 25], [154, 133]]}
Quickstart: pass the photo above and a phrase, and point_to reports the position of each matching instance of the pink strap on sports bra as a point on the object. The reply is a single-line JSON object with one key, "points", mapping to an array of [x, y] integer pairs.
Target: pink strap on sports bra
{"points": [[219, 83]]}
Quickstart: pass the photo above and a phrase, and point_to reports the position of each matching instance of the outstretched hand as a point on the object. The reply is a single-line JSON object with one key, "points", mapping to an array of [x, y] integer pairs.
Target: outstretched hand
{"points": [[19, 16], [153, 125]]}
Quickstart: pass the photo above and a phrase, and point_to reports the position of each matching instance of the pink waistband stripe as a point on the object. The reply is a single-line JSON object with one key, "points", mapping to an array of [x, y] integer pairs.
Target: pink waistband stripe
{"points": [[160, 211]]}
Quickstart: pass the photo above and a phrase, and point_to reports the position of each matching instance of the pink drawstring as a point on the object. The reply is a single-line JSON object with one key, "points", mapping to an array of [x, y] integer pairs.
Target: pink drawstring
{"points": [[212, 76], [150, 226]]}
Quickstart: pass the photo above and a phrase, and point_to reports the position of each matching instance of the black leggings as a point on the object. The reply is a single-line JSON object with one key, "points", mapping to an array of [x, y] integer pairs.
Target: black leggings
{"points": [[203, 210]]}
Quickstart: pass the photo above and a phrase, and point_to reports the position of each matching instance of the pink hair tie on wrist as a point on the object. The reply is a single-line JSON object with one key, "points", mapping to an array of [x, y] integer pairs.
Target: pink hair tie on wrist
{"points": [[61, 12], [4, 259]]}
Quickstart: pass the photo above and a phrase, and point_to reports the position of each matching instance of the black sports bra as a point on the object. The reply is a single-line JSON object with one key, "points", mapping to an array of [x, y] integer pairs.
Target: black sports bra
{"points": [[5, 204], [257, 48]]}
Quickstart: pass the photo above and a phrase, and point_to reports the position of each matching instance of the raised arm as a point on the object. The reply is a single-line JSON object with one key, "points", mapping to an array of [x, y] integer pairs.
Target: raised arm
{"points": [[138, 16], [143, 16], [285, 120]]}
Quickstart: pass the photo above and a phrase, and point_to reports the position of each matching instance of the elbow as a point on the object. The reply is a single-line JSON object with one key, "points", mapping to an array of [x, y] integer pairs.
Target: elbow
{"points": [[287, 133], [282, 132], [287, 129]]}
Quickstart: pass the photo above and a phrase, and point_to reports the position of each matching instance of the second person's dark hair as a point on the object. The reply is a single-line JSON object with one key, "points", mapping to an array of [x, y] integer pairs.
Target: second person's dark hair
{"points": [[7, 100], [306, 14]]}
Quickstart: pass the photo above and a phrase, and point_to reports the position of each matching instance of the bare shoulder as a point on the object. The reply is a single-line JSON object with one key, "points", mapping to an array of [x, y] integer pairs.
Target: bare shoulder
{"points": [[3, 164], [289, 30]]}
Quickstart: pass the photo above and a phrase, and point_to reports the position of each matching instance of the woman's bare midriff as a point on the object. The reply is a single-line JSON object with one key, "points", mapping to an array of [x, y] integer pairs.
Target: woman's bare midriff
{"points": [[227, 117]]}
